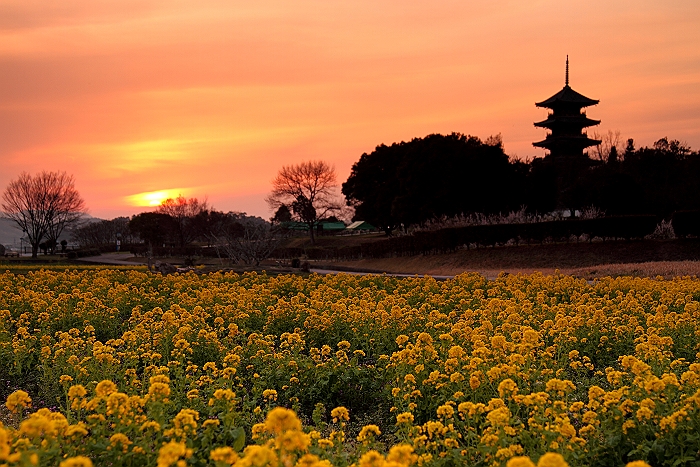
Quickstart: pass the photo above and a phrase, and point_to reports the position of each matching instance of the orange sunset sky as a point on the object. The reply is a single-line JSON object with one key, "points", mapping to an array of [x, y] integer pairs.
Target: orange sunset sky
{"points": [[211, 98]]}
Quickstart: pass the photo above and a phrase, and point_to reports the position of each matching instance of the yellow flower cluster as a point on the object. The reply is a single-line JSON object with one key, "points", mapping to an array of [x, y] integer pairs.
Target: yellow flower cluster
{"points": [[18, 400], [188, 369]]}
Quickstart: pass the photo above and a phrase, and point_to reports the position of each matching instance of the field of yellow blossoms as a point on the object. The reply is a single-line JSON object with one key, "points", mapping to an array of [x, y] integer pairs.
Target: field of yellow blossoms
{"points": [[126, 368]]}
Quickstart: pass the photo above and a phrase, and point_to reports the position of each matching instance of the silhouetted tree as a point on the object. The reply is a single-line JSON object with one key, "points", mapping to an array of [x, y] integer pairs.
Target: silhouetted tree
{"points": [[373, 184], [245, 239], [186, 213], [103, 233], [435, 176], [609, 141], [651, 180], [308, 188], [43, 205], [667, 174], [283, 214], [304, 208], [153, 228]]}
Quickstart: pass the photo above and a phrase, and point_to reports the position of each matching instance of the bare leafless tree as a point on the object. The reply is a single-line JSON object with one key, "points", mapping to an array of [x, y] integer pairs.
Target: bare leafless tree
{"points": [[610, 140], [345, 213], [43, 205], [184, 211], [104, 233], [246, 239], [62, 220], [308, 189]]}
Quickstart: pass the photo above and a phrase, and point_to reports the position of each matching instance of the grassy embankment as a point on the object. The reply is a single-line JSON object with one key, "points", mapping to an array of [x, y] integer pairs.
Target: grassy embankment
{"points": [[647, 258]]}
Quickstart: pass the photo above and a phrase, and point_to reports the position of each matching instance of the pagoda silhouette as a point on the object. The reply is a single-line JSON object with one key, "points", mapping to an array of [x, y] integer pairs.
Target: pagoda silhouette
{"points": [[566, 122], [566, 141]]}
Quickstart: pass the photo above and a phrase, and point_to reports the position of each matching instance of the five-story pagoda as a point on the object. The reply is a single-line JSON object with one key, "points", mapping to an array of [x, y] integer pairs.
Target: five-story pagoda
{"points": [[566, 161], [566, 123]]}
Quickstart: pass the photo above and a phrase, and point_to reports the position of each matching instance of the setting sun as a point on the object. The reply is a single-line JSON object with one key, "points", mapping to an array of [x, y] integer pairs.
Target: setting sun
{"points": [[152, 198]]}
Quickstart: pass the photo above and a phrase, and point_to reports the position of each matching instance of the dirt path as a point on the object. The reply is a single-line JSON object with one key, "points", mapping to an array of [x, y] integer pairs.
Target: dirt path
{"points": [[116, 259]]}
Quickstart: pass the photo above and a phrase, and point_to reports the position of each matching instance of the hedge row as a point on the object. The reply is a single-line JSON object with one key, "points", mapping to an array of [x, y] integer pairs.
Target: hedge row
{"points": [[450, 239], [83, 253]]}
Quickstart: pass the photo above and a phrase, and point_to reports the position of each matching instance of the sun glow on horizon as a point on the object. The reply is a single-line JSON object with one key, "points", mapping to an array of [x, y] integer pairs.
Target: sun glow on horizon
{"points": [[152, 198]]}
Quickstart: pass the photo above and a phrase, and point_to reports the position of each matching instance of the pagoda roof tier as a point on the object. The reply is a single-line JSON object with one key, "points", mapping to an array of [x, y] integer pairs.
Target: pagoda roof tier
{"points": [[580, 142], [580, 121], [567, 96]]}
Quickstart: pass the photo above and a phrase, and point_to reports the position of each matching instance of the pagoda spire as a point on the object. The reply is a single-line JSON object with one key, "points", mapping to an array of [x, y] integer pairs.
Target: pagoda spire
{"points": [[567, 70]]}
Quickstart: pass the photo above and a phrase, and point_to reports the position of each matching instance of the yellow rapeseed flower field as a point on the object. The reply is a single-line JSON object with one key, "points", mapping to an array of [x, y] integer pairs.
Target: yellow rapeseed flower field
{"points": [[122, 367]]}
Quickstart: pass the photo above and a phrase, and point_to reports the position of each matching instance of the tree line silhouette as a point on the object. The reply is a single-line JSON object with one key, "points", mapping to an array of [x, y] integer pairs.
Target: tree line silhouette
{"points": [[182, 227], [410, 183]]}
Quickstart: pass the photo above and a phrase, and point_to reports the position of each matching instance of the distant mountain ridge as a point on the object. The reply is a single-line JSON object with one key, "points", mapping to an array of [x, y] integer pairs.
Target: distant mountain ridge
{"points": [[9, 233]]}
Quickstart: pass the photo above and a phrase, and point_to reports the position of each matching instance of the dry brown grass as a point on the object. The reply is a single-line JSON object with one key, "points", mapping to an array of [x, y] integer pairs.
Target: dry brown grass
{"points": [[589, 260]]}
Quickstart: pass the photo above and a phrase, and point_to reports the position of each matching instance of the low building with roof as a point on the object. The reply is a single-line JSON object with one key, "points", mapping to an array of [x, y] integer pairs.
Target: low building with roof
{"points": [[330, 228], [359, 226], [323, 227]]}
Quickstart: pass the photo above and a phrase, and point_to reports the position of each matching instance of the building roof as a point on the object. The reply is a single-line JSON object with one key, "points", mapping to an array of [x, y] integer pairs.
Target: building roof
{"points": [[581, 141], [567, 96], [327, 226], [332, 225], [567, 120], [361, 225]]}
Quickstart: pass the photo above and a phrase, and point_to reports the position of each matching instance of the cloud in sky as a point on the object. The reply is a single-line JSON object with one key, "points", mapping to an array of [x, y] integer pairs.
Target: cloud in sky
{"points": [[214, 97]]}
